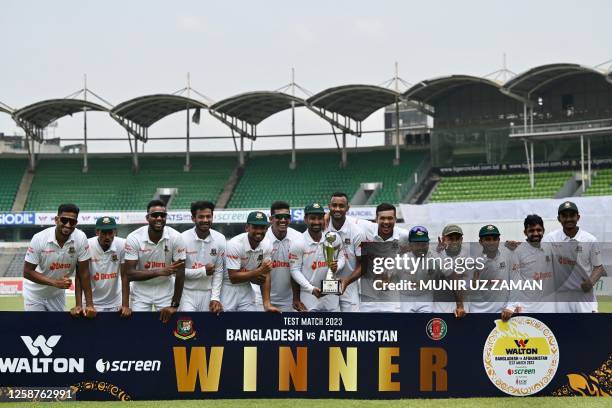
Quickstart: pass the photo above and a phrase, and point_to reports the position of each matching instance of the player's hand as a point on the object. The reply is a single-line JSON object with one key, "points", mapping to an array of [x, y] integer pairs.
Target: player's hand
{"points": [[210, 269], [76, 311], [344, 282], [299, 306], [586, 285], [90, 312], [266, 267], [316, 292], [459, 312], [512, 245], [176, 265], [166, 313], [441, 245], [506, 314], [334, 266], [215, 307], [125, 311], [63, 283], [259, 279], [269, 308]]}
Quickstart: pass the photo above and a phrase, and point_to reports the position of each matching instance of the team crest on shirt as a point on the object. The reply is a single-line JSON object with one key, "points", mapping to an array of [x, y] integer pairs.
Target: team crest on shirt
{"points": [[579, 248], [166, 248], [213, 252], [502, 265], [547, 258], [347, 241], [260, 257], [71, 250], [114, 258], [184, 329]]}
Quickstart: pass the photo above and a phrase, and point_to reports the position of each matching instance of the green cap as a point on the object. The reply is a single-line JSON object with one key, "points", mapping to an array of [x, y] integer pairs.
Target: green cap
{"points": [[452, 229], [418, 234], [567, 206], [314, 208], [488, 230], [106, 224], [257, 218]]}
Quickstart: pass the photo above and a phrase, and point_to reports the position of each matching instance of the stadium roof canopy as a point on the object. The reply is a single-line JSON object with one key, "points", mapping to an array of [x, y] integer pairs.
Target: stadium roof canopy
{"points": [[138, 114], [35, 117], [523, 85], [254, 107], [430, 90], [356, 102], [5, 108]]}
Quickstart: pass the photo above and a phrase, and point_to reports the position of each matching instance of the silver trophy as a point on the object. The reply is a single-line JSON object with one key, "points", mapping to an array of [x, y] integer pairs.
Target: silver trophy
{"points": [[331, 249]]}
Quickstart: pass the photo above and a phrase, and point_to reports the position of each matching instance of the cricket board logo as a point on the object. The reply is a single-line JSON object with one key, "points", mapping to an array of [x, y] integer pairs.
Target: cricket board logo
{"points": [[184, 329], [521, 356], [436, 329]]}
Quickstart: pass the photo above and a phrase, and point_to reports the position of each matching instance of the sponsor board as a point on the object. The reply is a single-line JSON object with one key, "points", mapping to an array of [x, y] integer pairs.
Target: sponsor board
{"points": [[521, 356], [23, 218]]}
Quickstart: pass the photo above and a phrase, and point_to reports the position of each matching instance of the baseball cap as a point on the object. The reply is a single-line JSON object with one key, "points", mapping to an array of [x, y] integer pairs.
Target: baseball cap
{"points": [[488, 230], [106, 223], [257, 218], [314, 208], [567, 206], [418, 234], [452, 229]]}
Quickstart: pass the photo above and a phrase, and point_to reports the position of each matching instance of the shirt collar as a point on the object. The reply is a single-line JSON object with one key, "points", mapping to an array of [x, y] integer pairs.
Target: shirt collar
{"points": [[195, 234], [165, 235], [51, 237]]}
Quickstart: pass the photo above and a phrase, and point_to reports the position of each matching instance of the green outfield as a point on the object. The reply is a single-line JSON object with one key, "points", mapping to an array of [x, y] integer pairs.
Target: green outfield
{"points": [[506, 402], [15, 303]]}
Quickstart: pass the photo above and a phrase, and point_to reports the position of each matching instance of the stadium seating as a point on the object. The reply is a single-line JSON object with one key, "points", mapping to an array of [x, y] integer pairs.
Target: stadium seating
{"points": [[318, 175], [111, 185], [12, 172], [601, 184], [498, 187]]}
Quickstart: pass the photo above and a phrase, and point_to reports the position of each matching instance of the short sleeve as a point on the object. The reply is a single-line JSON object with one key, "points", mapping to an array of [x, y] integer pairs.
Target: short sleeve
{"points": [[595, 255], [232, 255], [178, 252], [33, 253], [83, 249], [131, 248]]}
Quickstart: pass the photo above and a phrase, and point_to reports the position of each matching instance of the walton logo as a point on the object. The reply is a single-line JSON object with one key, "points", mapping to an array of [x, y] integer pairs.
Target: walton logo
{"points": [[43, 364], [41, 344], [521, 343]]}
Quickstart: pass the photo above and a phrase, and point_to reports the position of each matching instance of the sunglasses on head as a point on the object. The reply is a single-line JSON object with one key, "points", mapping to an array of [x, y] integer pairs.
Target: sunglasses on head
{"points": [[418, 229], [68, 221], [158, 214], [282, 216]]}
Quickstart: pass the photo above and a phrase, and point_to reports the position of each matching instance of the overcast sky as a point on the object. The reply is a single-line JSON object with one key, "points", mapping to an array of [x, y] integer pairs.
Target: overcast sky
{"points": [[134, 48]]}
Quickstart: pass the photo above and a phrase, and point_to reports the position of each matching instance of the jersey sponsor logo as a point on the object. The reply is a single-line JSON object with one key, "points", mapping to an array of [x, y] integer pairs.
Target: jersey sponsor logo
{"points": [[191, 252], [153, 264], [30, 250], [280, 264], [105, 276], [318, 264], [178, 251], [46, 251], [542, 275], [566, 261], [233, 257], [58, 265], [197, 265]]}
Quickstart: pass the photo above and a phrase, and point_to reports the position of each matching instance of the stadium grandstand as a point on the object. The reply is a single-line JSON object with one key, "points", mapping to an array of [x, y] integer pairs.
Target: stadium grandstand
{"points": [[544, 133]]}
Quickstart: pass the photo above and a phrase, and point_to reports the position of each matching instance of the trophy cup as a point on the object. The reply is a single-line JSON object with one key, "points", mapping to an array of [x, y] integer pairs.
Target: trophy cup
{"points": [[331, 248]]}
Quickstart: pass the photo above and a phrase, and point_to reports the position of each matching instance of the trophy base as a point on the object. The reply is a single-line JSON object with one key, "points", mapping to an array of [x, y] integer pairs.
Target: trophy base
{"points": [[330, 287]]}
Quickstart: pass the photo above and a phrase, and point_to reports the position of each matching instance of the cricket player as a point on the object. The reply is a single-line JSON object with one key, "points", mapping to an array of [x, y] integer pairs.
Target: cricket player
{"points": [[496, 265], [155, 263], [51, 259], [110, 287], [452, 251], [577, 262], [384, 230], [422, 268], [247, 259], [308, 264], [351, 236], [534, 261], [204, 262], [280, 291]]}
